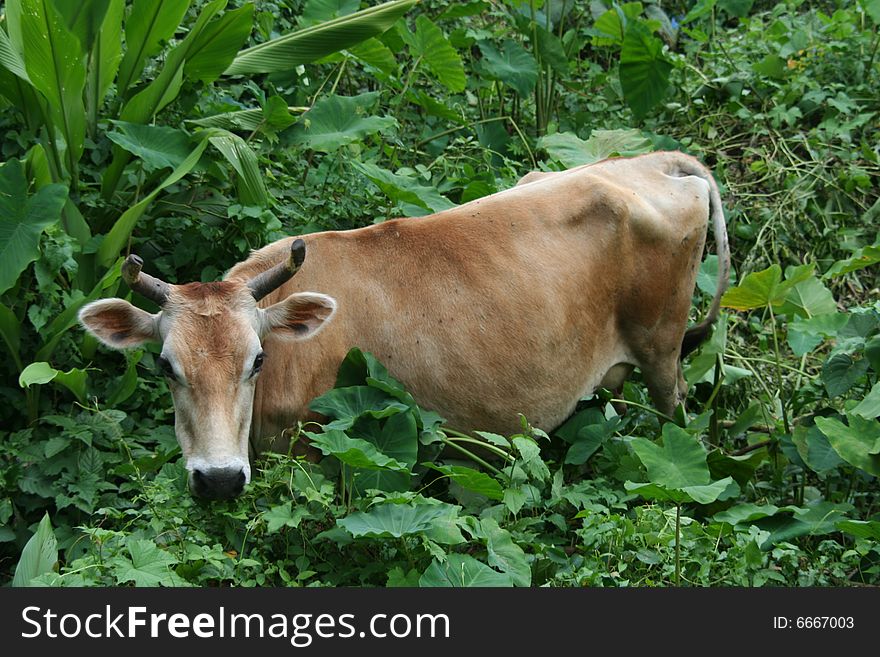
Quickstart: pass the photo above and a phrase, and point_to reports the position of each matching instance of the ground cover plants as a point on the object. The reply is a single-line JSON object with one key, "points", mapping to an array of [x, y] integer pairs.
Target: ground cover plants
{"points": [[190, 131]]}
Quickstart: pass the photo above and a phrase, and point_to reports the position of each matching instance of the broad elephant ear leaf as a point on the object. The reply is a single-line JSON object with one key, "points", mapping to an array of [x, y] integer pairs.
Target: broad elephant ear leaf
{"points": [[307, 45], [23, 218]]}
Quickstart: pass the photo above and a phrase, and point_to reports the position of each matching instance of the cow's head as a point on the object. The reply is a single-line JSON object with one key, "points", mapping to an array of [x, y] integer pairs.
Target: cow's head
{"points": [[211, 335]]}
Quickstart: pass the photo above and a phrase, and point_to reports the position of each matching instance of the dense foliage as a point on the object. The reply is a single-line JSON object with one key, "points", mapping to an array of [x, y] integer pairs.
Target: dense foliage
{"points": [[190, 131]]}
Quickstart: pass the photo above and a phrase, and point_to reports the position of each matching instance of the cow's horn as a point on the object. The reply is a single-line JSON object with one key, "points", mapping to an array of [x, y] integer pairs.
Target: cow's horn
{"points": [[150, 287], [273, 278]]}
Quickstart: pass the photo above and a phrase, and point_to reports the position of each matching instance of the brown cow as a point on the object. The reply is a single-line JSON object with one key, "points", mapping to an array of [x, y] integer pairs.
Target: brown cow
{"points": [[524, 301]]}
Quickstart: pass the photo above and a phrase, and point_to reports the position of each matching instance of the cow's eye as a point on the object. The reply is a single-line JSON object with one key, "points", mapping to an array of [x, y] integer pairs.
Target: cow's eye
{"points": [[258, 364], [165, 367]]}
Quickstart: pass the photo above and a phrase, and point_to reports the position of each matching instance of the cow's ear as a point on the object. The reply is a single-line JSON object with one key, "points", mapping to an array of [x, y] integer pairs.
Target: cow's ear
{"points": [[118, 324], [299, 316]]}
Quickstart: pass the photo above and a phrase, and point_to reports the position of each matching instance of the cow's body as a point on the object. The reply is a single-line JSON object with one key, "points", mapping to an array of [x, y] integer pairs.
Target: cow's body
{"points": [[520, 302]]}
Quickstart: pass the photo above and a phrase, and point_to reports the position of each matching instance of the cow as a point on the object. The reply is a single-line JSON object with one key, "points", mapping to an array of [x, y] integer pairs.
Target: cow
{"points": [[521, 302]]}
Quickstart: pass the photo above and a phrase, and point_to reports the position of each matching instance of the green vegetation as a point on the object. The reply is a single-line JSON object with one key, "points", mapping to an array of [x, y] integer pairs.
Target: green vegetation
{"points": [[190, 131]]}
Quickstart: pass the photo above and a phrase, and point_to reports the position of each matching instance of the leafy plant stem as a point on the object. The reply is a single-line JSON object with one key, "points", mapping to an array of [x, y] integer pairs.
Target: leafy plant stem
{"points": [[776, 353], [644, 408], [678, 544], [473, 457]]}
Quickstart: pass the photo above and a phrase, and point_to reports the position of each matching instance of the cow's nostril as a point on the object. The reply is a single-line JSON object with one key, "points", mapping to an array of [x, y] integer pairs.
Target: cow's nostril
{"points": [[217, 483]]}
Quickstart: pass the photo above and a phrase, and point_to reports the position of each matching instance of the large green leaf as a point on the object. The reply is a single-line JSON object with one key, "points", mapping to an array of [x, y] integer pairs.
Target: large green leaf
{"points": [[511, 64], [346, 405], [858, 444], [841, 372], [612, 23], [39, 556], [462, 570], [864, 257], [10, 331], [218, 44], [161, 91], [808, 299], [504, 554], [149, 565], [702, 494], [678, 463], [319, 11], [118, 236], [158, 146], [429, 44], [336, 121], [354, 451], [11, 59], [23, 218], [396, 437], [572, 151], [307, 45], [103, 61], [150, 24], [470, 479], [84, 19], [765, 288], [40, 373], [55, 64], [644, 70], [405, 189], [251, 188], [814, 448], [396, 520], [869, 407]]}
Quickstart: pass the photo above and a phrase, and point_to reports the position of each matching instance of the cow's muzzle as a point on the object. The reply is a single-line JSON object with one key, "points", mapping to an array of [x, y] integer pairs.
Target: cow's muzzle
{"points": [[217, 483]]}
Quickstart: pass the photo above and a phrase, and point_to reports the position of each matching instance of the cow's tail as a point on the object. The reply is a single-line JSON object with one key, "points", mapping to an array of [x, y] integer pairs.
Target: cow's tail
{"points": [[695, 335]]}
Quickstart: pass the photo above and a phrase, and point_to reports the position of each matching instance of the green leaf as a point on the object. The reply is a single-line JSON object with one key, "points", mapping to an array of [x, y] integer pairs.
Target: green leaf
{"points": [[701, 8], [346, 405], [865, 257], [284, 515], [84, 19], [814, 448], [218, 44], [307, 45], [23, 218], [118, 236], [809, 298], [55, 64], [512, 65], [704, 494], [354, 451], [158, 146], [804, 335], [757, 290], [40, 373], [858, 444], [396, 437], [39, 556], [504, 554], [149, 565], [396, 520], [251, 188], [869, 407], [841, 372], [10, 331], [376, 54], [404, 189], [462, 570], [571, 151], [150, 24], [318, 11], [745, 513], [11, 58], [680, 462], [644, 70], [104, 58], [869, 529], [470, 479], [431, 46], [337, 121], [613, 23]]}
